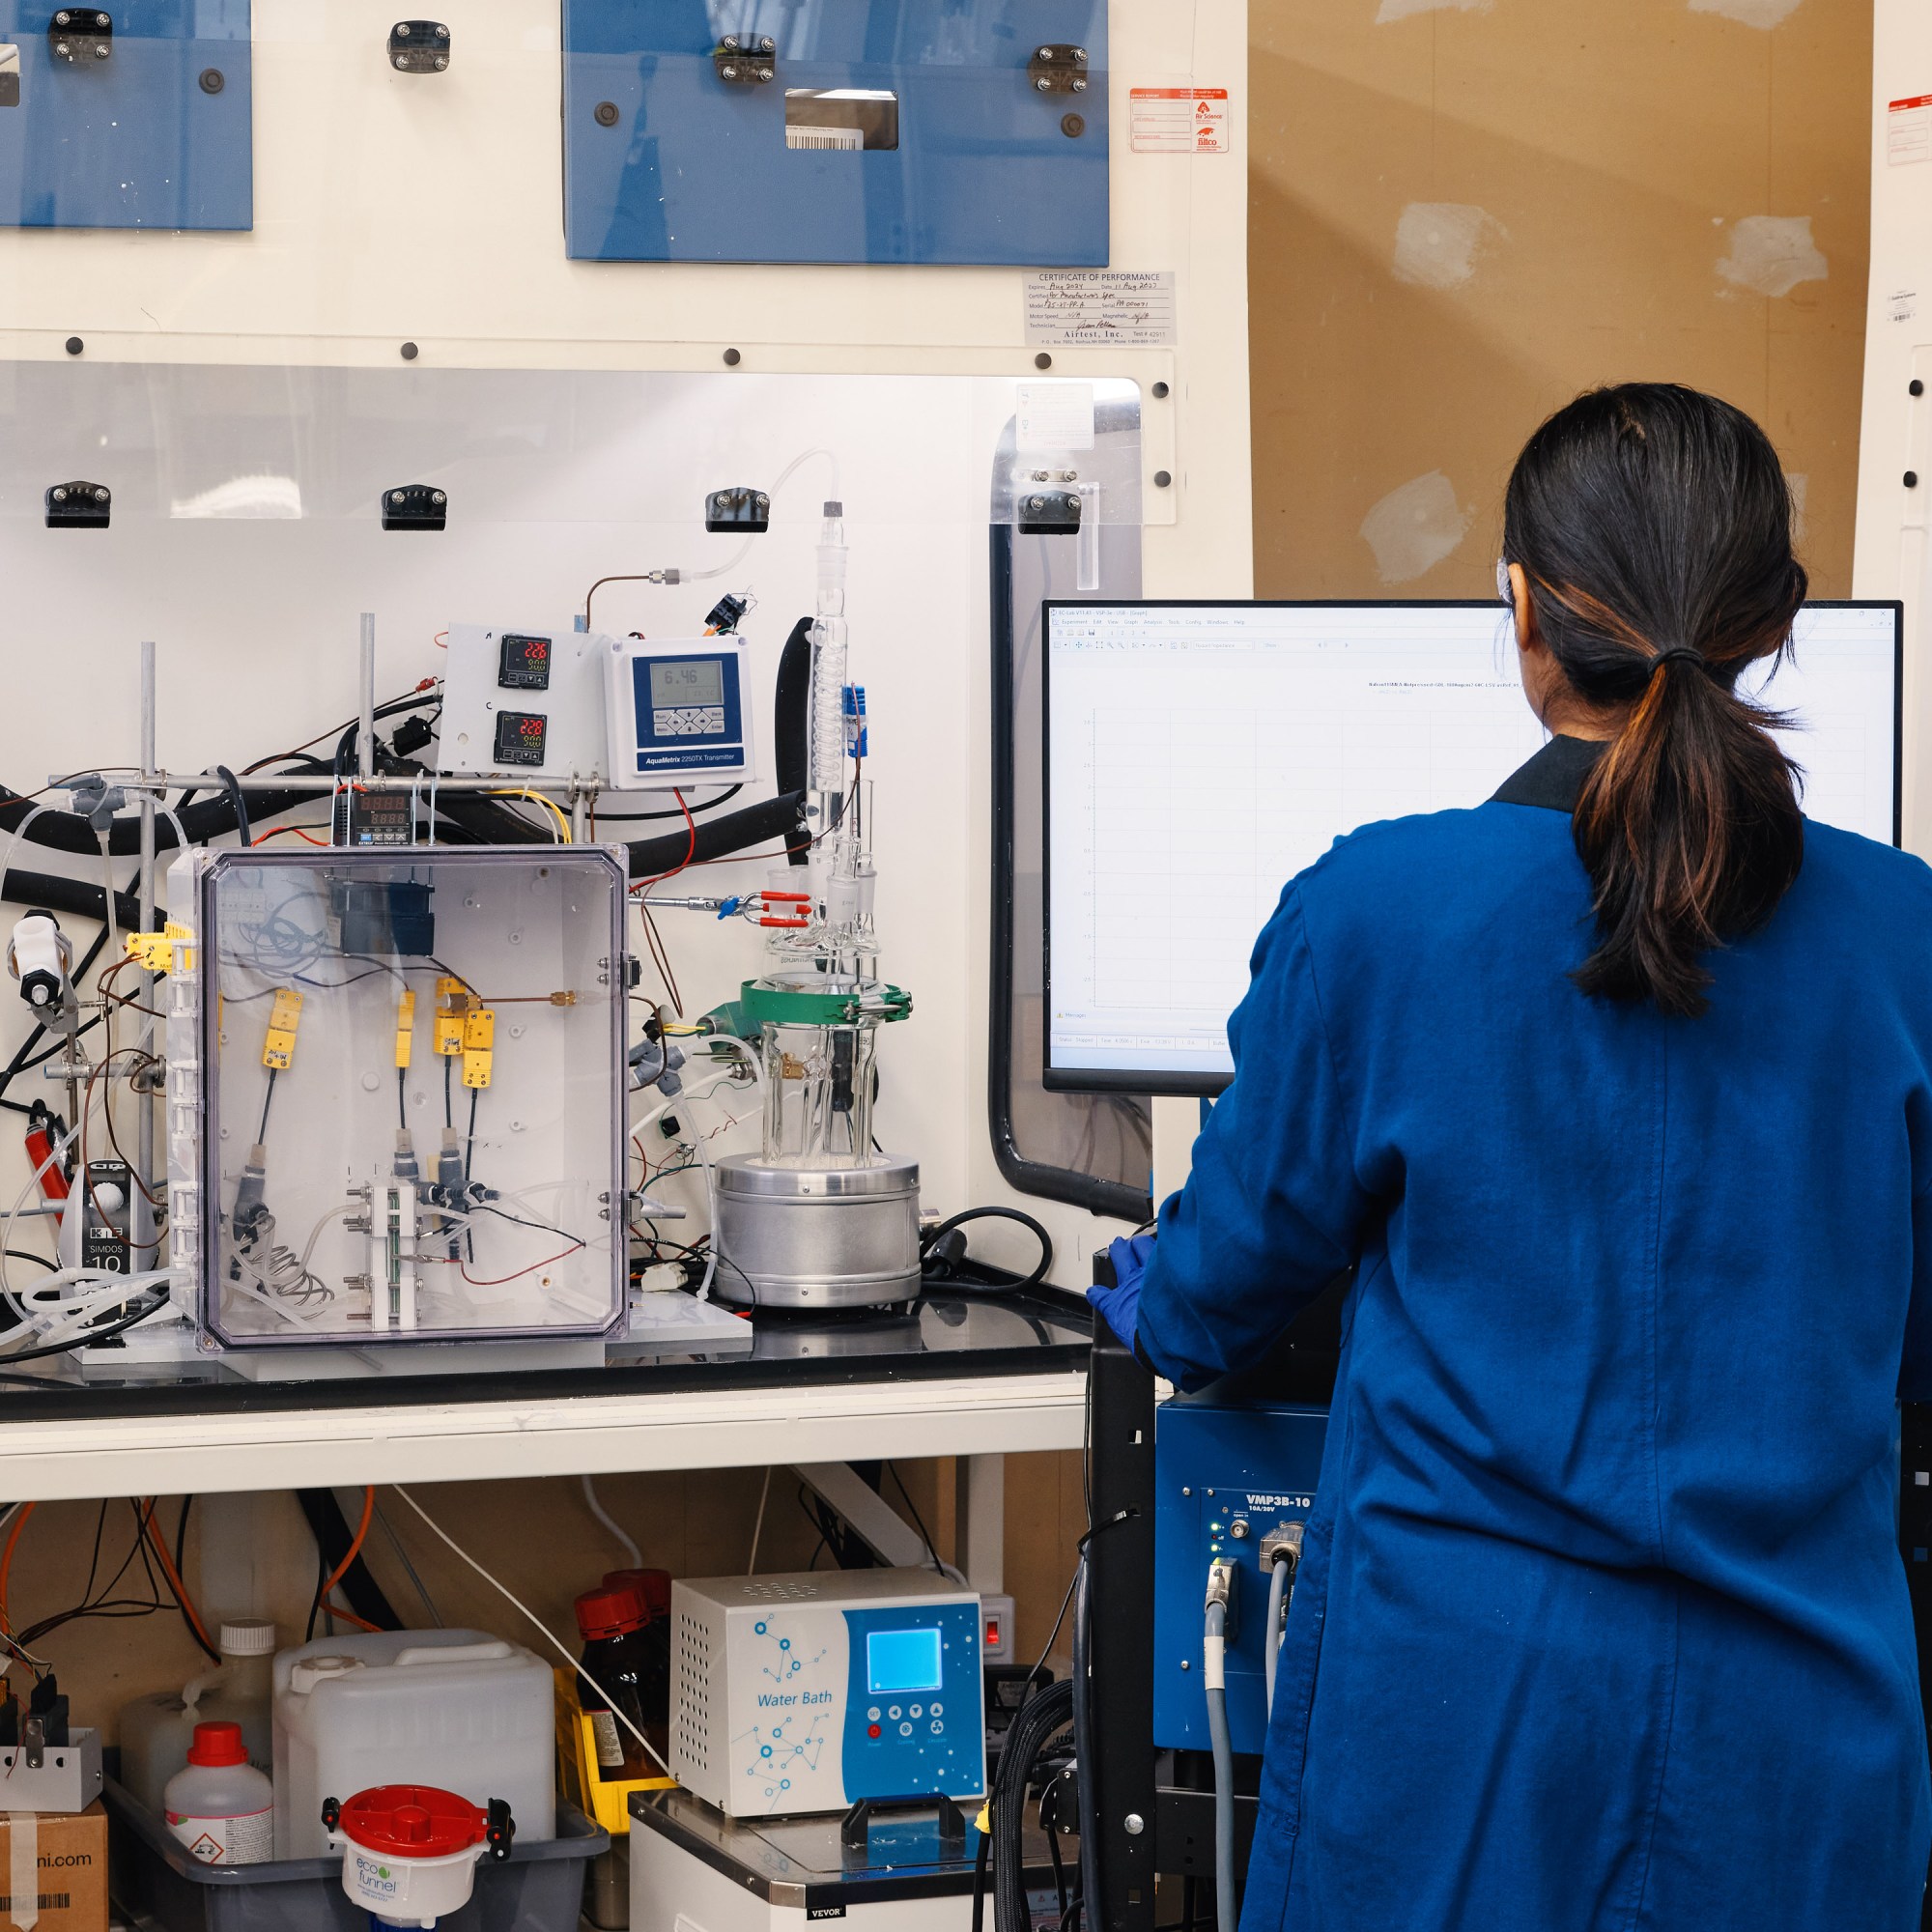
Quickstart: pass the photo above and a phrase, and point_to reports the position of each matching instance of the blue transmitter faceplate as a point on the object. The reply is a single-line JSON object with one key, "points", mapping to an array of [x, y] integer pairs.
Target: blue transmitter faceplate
{"points": [[1219, 1468], [690, 713], [913, 1720], [156, 133]]}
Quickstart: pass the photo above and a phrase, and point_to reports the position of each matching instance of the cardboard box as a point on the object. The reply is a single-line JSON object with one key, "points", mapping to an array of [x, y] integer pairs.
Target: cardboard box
{"points": [[68, 1856]]}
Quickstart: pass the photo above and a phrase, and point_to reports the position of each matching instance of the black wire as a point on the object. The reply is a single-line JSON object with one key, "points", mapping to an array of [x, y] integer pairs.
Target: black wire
{"points": [[261, 1138], [1026, 1221], [315, 1603], [402, 1096], [181, 1570], [687, 1249], [448, 1103], [725, 797], [240, 803], [542, 1227], [919, 1523]]}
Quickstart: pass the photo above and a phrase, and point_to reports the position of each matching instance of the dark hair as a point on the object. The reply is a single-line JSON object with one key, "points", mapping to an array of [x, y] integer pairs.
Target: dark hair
{"points": [[1654, 527]]}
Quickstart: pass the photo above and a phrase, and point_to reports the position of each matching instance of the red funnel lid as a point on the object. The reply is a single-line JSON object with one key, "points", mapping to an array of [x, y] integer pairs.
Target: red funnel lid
{"points": [[413, 1821]]}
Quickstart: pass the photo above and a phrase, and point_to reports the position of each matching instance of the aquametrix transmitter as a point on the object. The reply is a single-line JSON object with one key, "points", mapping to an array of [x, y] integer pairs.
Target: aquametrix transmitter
{"points": [[807, 1692], [678, 711]]}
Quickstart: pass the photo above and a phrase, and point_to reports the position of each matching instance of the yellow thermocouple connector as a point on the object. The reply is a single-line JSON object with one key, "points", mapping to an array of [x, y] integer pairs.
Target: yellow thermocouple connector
{"points": [[479, 1039], [405, 1025], [155, 951], [451, 1003], [280, 1048]]}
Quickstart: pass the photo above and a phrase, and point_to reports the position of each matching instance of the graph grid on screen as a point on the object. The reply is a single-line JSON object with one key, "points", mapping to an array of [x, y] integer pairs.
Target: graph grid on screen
{"points": [[1199, 755]]}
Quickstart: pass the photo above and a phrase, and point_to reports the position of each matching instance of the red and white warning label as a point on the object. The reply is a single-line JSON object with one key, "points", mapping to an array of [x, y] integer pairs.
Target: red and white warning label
{"points": [[1908, 130], [1179, 120]]}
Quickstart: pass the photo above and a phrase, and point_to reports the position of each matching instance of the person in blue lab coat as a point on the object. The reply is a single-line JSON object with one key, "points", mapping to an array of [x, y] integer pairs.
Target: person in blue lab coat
{"points": [[1616, 1092]]}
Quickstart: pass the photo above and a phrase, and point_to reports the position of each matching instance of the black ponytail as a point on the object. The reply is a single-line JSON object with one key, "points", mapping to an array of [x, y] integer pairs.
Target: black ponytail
{"points": [[1654, 527]]}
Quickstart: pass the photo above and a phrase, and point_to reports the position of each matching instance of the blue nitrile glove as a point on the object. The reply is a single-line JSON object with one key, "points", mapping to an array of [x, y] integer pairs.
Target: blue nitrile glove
{"points": [[1119, 1306]]}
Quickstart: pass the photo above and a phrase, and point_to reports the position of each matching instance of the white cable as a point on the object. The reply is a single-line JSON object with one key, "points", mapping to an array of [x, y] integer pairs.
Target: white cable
{"points": [[14, 843], [114, 947], [711, 1198], [622, 1541], [804, 457], [729, 564], [759, 1527], [68, 1317], [450, 1544]]}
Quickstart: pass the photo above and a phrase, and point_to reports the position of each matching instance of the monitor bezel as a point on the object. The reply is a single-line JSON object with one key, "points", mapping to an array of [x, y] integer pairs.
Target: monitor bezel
{"points": [[1164, 1083]]}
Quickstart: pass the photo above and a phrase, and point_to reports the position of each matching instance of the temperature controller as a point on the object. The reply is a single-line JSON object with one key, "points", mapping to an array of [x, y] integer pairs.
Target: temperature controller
{"points": [[520, 737], [523, 662]]}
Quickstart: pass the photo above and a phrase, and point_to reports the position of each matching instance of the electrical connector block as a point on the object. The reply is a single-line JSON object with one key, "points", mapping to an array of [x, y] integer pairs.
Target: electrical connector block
{"points": [[479, 1039], [155, 951], [279, 1048], [405, 1026], [452, 1002]]}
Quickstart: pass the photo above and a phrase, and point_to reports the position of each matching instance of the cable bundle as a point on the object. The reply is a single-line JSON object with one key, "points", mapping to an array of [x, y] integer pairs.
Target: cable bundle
{"points": [[1040, 1720]]}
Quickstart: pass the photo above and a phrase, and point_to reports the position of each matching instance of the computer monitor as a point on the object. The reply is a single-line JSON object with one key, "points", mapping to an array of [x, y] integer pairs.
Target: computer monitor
{"points": [[1200, 755]]}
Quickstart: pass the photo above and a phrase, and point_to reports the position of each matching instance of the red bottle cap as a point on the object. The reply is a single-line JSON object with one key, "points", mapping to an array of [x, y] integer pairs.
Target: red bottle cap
{"points": [[608, 1613], [650, 1587], [218, 1743], [413, 1821]]}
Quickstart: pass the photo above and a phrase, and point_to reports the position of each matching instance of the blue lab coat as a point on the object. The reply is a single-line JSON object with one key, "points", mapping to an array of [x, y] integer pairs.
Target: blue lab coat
{"points": [[1602, 1622]]}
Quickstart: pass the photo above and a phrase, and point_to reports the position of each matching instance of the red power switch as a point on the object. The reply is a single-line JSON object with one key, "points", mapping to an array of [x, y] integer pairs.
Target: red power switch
{"points": [[993, 1633], [871, 1730]]}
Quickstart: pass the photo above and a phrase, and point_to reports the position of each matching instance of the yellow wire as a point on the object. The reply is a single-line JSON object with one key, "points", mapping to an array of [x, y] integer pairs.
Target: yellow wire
{"points": [[551, 806]]}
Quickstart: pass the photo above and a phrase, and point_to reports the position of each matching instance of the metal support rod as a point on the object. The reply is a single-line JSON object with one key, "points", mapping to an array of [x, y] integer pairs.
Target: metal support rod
{"points": [[144, 1123], [365, 738], [580, 812], [162, 780]]}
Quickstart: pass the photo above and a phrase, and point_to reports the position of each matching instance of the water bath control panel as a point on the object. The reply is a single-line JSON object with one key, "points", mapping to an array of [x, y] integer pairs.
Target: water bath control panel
{"points": [[809, 1692]]}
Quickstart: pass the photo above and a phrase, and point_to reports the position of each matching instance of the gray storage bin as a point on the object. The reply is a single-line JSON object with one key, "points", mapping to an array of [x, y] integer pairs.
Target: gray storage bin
{"points": [[538, 1888]]}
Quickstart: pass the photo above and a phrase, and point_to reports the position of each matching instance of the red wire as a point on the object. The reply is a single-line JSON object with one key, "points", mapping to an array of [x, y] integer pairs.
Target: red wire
{"points": [[690, 850], [520, 1272], [262, 839]]}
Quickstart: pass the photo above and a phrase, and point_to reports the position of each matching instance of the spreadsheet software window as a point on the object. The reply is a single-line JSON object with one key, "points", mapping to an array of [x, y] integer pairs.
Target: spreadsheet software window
{"points": [[1199, 755]]}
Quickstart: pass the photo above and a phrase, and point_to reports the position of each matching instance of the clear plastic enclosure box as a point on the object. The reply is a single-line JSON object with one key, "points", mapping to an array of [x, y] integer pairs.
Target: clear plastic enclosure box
{"points": [[396, 1094]]}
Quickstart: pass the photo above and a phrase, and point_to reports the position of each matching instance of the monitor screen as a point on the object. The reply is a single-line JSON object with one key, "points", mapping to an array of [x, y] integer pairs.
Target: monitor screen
{"points": [[902, 1659], [1199, 755]]}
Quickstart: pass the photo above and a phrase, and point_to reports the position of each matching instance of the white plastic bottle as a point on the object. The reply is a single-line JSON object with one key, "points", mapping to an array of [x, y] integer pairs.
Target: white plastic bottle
{"points": [[156, 1731], [219, 1805]]}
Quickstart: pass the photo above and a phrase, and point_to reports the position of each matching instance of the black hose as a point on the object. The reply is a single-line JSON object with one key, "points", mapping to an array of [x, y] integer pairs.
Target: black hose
{"points": [[332, 1538], [70, 896], [1026, 1221], [780, 817], [239, 803], [791, 718], [212, 818]]}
